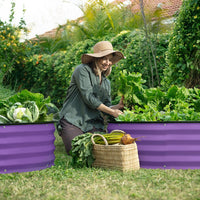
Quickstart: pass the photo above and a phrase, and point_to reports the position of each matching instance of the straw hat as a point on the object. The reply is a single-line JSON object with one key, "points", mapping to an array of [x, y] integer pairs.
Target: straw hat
{"points": [[102, 49]]}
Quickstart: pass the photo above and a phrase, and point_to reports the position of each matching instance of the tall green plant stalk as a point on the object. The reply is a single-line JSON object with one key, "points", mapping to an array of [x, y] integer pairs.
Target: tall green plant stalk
{"points": [[149, 44]]}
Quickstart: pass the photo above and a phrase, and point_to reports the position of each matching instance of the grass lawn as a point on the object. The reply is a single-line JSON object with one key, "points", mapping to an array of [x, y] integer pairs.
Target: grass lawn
{"points": [[62, 182]]}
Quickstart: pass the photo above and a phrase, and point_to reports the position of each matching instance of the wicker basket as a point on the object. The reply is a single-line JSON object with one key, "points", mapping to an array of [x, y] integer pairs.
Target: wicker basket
{"points": [[121, 157]]}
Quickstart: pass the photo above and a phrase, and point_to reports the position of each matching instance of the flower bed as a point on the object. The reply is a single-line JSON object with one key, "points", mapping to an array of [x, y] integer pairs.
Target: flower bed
{"points": [[165, 145], [26, 147]]}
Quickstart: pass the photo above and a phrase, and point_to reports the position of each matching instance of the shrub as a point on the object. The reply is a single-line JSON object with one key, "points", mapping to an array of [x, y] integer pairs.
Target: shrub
{"points": [[51, 74], [10, 53], [133, 45], [13, 52], [184, 48]]}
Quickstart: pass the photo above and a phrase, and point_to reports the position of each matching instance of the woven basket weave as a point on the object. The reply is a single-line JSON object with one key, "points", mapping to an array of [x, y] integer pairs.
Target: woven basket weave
{"points": [[121, 157]]}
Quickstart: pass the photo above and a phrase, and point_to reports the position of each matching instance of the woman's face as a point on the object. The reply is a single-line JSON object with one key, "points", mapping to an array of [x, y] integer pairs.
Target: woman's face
{"points": [[105, 62]]}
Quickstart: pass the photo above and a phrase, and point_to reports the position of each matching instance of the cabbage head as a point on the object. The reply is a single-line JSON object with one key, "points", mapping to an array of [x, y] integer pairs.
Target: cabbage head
{"points": [[23, 113]]}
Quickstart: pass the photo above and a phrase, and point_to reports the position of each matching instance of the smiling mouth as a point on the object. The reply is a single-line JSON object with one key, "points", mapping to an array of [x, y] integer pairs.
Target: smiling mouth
{"points": [[104, 66]]}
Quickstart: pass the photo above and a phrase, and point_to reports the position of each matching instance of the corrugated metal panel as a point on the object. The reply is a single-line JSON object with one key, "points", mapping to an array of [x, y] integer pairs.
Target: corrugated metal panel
{"points": [[27, 147], [165, 145]]}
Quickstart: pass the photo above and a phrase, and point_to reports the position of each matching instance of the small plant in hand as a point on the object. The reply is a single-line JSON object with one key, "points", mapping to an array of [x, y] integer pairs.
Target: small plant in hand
{"points": [[82, 146]]}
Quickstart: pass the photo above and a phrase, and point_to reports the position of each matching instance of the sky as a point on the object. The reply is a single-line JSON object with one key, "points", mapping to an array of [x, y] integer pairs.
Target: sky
{"points": [[42, 15]]}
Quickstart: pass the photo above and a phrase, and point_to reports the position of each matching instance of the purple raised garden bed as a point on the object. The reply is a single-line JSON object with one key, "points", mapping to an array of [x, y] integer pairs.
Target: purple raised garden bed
{"points": [[168, 145], [26, 147]]}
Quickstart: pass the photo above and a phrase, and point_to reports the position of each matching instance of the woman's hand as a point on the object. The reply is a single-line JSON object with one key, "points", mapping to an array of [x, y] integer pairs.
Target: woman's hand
{"points": [[110, 110], [120, 105], [116, 112]]}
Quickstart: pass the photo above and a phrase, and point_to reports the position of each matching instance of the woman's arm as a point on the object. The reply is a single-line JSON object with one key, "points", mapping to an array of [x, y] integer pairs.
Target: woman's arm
{"points": [[109, 110]]}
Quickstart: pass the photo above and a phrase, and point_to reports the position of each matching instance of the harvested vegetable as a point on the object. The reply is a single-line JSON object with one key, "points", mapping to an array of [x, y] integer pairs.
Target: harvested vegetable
{"points": [[81, 151], [112, 138], [127, 139], [82, 146]]}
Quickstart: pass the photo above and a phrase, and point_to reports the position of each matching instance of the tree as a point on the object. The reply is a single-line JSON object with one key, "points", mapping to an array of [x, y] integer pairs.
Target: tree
{"points": [[183, 55], [13, 52], [101, 19]]}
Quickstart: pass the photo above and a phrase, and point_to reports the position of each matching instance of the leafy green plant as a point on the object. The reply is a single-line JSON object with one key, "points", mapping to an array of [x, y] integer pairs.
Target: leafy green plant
{"points": [[27, 107], [23, 113], [130, 86], [175, 104], [149, 114], [81, 151]]}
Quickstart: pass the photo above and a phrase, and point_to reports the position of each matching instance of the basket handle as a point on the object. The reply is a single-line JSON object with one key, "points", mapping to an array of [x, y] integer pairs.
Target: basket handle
{"points": [[104, 139], [117, 131]]}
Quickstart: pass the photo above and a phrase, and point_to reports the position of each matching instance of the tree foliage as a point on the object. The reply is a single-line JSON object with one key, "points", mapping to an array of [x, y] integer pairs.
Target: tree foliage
{"points": [[13, 52], [101, 19], [134, 46], [183, 56]]}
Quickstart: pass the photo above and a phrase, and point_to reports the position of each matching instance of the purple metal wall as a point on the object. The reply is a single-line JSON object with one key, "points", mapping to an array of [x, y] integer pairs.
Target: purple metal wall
{"points": [[165, 145], [27, 147]]}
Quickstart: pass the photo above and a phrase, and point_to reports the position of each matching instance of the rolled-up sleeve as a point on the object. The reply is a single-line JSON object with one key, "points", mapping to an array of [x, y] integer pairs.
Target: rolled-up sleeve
{"points": [[83, 81]]}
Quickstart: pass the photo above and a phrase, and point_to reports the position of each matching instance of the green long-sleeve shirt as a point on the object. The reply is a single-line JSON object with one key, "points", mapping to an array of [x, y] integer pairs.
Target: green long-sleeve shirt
{"points": [[84, 96]]}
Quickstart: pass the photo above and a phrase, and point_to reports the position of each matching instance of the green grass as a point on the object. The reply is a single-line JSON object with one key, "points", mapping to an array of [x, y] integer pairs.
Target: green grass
{"points": [[4, 91], [61, 181]]}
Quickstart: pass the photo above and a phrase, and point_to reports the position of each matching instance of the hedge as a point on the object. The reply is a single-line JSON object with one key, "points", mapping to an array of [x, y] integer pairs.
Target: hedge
{"points": [[51, 74], [183, 55]]}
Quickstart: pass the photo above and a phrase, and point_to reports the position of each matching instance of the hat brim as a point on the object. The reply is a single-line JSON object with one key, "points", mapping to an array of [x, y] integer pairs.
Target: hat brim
{"points": [[88, 58]]}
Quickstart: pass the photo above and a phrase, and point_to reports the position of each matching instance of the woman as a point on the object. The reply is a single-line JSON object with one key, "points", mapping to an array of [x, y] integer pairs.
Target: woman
{"points": [[89, 94]]}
